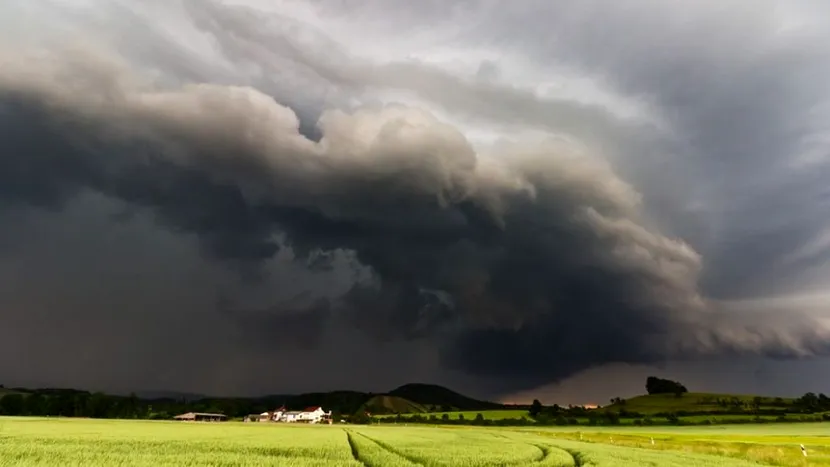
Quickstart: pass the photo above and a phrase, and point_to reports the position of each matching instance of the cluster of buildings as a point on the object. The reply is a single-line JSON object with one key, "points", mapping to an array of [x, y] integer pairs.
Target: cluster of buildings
{"points": [[309, 415]]}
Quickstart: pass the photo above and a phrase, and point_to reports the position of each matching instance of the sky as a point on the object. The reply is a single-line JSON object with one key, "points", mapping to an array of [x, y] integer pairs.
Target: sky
{"points": [[536, 199]]}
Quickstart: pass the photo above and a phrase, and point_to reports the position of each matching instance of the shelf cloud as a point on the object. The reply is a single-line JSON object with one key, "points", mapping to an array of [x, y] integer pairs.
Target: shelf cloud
{"points": [[507, 198]]}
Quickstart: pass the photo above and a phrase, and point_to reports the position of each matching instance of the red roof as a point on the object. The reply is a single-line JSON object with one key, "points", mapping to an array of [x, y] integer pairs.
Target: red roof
{"points": [[311, 409]]}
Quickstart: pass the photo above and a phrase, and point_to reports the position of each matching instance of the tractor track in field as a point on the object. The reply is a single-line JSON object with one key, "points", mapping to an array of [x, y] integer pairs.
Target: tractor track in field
{"points": [[353, 447], [576, 455], [392, 450], [545, 451], [350, 435]]}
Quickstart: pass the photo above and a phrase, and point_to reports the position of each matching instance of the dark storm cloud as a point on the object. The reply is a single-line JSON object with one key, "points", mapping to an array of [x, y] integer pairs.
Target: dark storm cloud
{"points": [[530, 259], [291, 323]]}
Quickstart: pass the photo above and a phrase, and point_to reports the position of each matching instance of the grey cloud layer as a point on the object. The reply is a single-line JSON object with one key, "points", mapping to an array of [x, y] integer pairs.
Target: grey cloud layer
{"points": [[530, 259], [525, 262]]}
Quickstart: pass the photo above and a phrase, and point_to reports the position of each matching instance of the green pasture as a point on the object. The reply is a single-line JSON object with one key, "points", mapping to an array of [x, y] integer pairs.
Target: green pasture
{"points": [[85, 442], [471, 415]]}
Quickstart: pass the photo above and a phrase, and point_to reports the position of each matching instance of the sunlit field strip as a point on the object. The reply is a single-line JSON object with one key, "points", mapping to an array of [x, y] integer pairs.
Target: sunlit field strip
{"points": [[75, 442]]}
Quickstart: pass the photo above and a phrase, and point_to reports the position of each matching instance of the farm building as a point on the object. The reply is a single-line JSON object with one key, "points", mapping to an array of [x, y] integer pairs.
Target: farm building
{"points": [[314, 415], [272, 416], [201, 417], [309, 415]]}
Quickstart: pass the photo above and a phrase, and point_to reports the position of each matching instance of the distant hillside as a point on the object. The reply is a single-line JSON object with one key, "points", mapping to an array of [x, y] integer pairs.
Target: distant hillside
{"points": [[439, 398], [5, 391], [345, 402], [695, 402], [408, 399], [386, 404]]}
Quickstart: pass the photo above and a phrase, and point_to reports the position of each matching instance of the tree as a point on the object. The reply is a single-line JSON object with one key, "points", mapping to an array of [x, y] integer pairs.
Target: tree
{"points": [[479, 418], [11, 404], [360, 418], [655, 385], [535, 408]]}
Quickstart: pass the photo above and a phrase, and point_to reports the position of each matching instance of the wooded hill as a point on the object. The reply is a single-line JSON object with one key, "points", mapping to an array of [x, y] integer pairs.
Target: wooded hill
{"points": [[410, 398]]}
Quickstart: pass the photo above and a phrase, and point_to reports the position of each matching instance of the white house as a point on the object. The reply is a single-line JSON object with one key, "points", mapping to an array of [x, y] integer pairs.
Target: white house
{"points": [[290, 417], [273, 416], [314, 415], [309, 415]]}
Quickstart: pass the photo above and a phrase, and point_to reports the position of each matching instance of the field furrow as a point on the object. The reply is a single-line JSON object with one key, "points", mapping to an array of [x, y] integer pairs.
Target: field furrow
{"points": [[372, 454]]}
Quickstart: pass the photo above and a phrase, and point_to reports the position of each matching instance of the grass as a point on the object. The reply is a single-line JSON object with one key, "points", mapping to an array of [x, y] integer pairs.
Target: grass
{"points": [[470, 415], [83, 442], [777, 445]]}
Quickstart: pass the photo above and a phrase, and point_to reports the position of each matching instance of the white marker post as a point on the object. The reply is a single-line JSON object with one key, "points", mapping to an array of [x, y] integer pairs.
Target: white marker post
{"points": [[803, 450], [652, 441]]}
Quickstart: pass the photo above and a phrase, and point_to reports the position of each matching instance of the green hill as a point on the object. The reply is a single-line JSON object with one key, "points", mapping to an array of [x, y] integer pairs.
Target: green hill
{"points": [[385, 404], [693, 402], [407, 399], [438, 398], [5, 391]]}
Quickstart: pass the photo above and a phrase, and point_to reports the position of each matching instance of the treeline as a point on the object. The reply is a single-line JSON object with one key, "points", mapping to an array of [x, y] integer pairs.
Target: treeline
{"points": [[71, 403], [75, 403], [597, 419], [444, 419]]}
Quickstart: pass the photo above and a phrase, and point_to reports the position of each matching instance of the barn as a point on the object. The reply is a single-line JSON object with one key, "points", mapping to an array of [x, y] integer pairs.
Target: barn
{"points": [[201, 417]]}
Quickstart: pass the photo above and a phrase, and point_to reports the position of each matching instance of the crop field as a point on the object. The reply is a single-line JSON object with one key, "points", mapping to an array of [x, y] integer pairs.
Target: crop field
{"points": [[470, 415], [76, 442]]}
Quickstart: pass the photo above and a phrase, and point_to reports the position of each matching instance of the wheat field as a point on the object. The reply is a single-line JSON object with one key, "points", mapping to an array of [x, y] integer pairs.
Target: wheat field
{"points": [[84, 442]]}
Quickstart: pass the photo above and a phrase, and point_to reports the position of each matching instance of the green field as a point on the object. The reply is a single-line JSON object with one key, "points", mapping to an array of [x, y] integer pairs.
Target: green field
{"points": [[471, 415], [87, 442]]}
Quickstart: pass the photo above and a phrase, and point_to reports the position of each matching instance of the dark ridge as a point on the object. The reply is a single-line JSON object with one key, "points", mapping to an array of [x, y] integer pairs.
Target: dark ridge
{"points": [[435, 396]]}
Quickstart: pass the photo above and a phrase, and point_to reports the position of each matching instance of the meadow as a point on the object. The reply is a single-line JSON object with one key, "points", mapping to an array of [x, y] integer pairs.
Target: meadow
{"points": [[75, 442], [470, 414]]}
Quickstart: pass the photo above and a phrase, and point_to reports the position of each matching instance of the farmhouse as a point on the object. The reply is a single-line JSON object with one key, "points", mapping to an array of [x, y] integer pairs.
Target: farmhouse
{"points": [[201, 417], [272, 416], [314, 414], [290, 417]]}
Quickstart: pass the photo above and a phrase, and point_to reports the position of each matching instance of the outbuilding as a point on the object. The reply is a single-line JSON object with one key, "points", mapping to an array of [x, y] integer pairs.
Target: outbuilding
{"points": [[201, 417]]}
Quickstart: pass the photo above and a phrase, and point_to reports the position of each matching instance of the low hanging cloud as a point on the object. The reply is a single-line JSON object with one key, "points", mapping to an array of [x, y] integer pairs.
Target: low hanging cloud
{"points": [[529, 259]]}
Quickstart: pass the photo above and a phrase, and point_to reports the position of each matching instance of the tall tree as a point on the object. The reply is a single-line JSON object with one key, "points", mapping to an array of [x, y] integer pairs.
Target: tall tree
{"points": [[535, 408], [655, 385]]}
